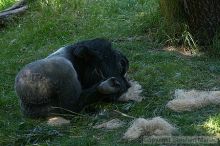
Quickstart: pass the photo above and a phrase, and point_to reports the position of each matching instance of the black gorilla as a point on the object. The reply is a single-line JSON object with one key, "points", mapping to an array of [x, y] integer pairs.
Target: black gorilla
{"points": [[72, 77]]}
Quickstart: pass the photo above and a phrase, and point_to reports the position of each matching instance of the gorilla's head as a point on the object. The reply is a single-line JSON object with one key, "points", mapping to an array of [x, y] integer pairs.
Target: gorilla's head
{"points": [[113, 69], [102, 64]]}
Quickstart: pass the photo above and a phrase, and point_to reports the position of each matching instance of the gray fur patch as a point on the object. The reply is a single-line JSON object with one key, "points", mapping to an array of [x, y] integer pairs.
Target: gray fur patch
{"points": [[33, 87]]}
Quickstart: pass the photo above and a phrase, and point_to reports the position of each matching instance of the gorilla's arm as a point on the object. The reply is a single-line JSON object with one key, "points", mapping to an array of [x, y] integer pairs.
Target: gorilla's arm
{"points": [[89, 96], [103, 91]]}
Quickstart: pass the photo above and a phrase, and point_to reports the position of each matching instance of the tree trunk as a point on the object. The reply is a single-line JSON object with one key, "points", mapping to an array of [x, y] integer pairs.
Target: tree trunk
{"points": [[172, 10], [203, 17]]}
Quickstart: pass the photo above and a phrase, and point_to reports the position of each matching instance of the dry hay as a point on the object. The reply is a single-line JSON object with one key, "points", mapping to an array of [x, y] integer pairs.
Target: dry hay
{"points": [[57, 121], [133, 93], [112, 124], [193, 99], [152, 127]]}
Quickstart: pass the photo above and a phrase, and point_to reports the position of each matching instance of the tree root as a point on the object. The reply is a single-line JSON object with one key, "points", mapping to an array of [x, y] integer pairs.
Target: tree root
{"points": [[17, 9]]}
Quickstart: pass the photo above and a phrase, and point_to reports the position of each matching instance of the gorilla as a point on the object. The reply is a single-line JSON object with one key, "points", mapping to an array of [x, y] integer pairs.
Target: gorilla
{"points": [[71, 78]]}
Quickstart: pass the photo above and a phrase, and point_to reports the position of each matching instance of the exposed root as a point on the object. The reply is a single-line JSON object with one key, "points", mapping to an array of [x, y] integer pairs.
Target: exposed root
{"points": [[18, 8]]}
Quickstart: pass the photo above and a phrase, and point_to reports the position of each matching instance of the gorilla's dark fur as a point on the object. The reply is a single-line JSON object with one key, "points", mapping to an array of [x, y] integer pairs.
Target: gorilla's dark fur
{"points": [[72, 77]]}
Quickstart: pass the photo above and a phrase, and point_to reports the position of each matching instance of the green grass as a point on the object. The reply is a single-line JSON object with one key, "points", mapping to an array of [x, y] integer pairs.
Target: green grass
{"points": [[6, 3], [48, 26]]}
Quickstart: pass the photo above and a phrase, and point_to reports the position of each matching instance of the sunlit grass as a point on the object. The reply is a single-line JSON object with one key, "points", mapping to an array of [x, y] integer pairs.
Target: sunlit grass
{"points": [[6, 3], [212, 125]]}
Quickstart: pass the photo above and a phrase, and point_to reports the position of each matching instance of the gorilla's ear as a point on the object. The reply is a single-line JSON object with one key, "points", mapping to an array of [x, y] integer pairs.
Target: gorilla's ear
{"points": [[86, 53]]}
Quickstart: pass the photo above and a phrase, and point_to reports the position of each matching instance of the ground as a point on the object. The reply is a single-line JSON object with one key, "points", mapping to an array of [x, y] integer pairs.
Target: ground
{"points": [[137, 29]]}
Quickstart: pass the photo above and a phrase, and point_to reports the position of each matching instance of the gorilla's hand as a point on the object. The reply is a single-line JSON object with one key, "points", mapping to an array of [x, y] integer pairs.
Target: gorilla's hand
{"points": [[109, 86]]}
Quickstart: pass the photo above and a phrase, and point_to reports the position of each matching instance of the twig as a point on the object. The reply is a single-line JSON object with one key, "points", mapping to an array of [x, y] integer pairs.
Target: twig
{"points": [[129, 39], [65, 115], [54, 107], [76, 136], [123, 114]]}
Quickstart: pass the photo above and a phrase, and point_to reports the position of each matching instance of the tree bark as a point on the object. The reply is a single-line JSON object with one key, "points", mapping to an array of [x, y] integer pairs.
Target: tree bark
{"points": [[172, 10], [203, 17]]}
